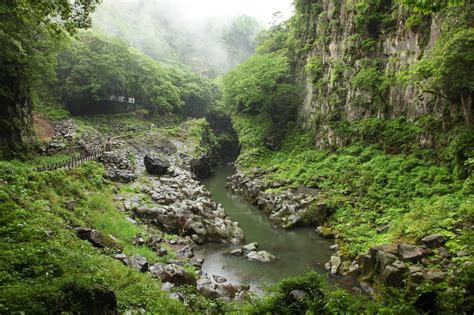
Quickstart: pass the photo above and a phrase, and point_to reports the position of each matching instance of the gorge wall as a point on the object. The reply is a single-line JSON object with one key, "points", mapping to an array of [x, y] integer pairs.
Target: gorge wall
{"points": [[354, 58]]}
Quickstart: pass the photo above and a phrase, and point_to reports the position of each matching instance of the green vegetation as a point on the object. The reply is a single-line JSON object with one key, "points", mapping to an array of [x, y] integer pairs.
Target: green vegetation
{"points": [[209, 45], [27, 59], [95, 67], [44, 255], [318, 299], [417, 192], [263, 85]]}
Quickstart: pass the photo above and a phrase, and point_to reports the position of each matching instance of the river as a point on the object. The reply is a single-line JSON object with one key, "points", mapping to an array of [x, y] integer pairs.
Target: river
{"points": [[298, 250]]}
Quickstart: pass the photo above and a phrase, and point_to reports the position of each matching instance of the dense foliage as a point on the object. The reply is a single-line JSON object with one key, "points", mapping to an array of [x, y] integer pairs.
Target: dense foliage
{"points": [[263, 85], [30, 32], [46, 259], [209, 45], [95, 67], [374, 166]]}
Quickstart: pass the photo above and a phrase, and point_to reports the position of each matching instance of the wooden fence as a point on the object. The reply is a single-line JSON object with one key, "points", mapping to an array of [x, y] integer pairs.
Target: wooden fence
{"points": [[72, 162]]}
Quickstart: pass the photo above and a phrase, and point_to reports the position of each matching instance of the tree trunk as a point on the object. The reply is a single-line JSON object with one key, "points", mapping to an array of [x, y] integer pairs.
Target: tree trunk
{"points": [[16, 121], [466, 103]]}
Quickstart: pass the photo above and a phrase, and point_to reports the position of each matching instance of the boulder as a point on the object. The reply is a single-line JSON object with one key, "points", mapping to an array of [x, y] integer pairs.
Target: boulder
{"points": [[381, 258], [335, 263], [137, 262], [436, 276], [434, 240], [172, 273], [393, 275], [156, 164], [411, 252], [250, 247], [97, 238], [221, 289], [138, 240], [262, 256]]}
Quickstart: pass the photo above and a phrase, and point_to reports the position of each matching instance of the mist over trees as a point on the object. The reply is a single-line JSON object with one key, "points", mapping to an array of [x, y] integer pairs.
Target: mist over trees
{"points": [[95, 67], [210, 45]]}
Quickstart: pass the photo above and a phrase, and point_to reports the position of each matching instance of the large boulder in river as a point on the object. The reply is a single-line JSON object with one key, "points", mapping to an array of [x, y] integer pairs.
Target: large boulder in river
{"points": [[156, 164]]}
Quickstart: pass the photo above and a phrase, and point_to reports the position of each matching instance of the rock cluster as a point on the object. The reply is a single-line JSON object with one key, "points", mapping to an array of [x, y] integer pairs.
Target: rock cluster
{"points": [[403, 264], [287, 209], [67, 139], [250, 252], [118, 165], [218, 287], [64, 133], [184, 207]]}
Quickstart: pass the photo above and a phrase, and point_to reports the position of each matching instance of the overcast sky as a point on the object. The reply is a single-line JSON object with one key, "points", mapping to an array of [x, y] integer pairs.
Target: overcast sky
{"points": [[260, 9]]}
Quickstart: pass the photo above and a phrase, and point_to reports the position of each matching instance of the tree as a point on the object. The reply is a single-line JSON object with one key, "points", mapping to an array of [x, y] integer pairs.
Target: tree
{"points": [[446, 71], [30, 31], [240, 38], [262, 85], [429, 6]]}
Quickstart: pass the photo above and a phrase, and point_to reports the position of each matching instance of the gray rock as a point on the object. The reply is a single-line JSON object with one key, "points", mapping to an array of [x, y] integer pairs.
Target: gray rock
{"points": [[393, 275], [416, 275], [156, 164], [335, 263], [383, 228], [411, 252], [187, 252], [436, 276], [367, 288], [138, 240], [237, 252], [444, 253], [250, 247], [262, 256], [120, 256], [434, 240], [97, 238], [137, 262], [172, 273]]}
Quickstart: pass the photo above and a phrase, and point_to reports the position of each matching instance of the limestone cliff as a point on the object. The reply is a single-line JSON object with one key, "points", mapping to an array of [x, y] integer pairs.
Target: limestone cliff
{"points": [[352, 59]]}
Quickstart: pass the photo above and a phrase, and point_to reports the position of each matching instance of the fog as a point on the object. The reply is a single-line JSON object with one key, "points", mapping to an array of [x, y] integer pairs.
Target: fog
{"points": [[262, 10], [190, 31]]}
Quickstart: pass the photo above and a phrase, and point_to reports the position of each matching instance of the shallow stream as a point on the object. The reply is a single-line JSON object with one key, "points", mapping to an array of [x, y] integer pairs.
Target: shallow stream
{"points": [[298, 250]]}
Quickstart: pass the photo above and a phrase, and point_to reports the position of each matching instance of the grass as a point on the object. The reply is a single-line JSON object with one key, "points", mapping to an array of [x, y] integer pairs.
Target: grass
{"points": [[44, 254]]}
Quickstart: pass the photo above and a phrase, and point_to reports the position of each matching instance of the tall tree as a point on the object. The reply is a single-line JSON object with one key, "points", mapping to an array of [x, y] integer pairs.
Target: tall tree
{"points": [[29, 32]]}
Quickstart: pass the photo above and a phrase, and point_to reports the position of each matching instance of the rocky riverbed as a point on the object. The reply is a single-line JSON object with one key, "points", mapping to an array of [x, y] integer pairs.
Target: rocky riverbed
{"points": [[402, 265]]}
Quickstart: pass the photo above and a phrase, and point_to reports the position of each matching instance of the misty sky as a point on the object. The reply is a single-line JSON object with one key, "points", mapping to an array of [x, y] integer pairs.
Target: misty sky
{"points": [[260, 9]]}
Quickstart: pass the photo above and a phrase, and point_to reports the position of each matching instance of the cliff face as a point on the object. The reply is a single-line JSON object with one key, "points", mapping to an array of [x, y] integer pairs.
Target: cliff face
{"points": [[16, 122], [352, 62]]}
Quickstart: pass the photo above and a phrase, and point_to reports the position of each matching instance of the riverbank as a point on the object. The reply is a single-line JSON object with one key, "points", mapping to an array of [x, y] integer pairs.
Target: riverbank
{"points": [[381, 208]]}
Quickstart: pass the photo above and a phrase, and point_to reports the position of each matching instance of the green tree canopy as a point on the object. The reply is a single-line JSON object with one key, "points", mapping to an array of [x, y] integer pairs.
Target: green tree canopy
{"points": [[95, 67]]}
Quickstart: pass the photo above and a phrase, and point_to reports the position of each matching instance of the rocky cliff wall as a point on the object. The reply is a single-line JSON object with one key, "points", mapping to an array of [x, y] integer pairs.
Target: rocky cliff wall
{"points": [[352, 59]]}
